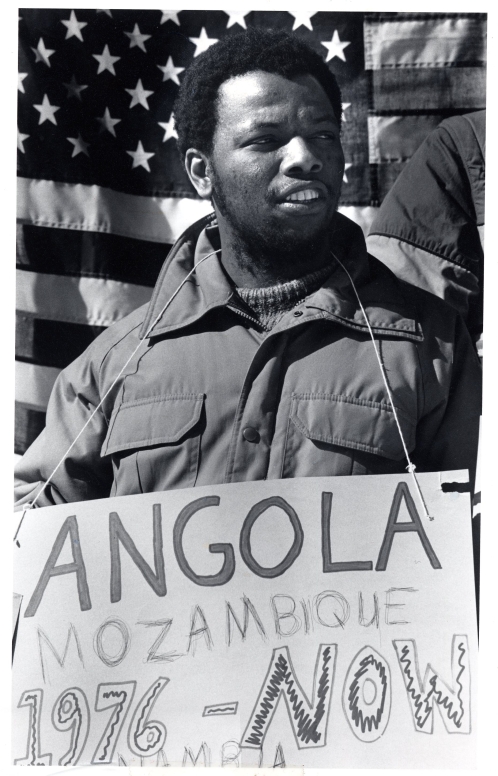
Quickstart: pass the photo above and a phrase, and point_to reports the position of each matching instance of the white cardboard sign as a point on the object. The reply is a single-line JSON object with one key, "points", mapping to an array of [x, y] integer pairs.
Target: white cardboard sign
{"points": [[321, 622]]}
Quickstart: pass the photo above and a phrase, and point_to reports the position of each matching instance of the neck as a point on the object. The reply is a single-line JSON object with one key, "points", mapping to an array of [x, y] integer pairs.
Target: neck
{"points": [[258, 266]]}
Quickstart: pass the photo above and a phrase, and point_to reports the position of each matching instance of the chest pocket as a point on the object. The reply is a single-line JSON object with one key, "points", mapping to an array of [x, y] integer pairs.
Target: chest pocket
{"points": [[154, 443], [332, 434]]}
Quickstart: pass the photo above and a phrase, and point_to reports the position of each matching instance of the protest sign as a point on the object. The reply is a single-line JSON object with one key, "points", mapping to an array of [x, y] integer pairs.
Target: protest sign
{"points": [[321, 622]]}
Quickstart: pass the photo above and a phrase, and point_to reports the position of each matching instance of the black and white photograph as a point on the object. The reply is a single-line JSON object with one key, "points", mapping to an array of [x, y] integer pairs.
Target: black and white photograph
{"points": [[249, 348]]}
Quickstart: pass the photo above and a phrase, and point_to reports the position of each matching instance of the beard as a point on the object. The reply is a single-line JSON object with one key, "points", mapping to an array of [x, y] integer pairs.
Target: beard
{"points": [[269, 247]]}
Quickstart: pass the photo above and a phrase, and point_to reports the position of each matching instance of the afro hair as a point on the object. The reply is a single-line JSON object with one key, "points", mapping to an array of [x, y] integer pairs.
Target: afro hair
{"points": [[272, 51]]}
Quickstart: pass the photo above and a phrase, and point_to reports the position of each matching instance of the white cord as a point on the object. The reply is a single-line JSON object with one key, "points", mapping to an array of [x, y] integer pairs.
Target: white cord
{"points": [[411, 466], [31, 504]]}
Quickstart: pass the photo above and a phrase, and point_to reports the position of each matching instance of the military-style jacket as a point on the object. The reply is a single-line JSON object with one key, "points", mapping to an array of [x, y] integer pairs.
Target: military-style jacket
{"points": [[211, 398]]}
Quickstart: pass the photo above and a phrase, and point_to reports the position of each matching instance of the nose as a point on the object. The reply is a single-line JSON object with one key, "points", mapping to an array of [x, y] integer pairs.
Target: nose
{"points": [[299, 158]]}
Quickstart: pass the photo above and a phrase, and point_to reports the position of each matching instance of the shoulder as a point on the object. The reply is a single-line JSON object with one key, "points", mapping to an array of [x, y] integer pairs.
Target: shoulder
{"points": [[434, 316], [110, 349]]}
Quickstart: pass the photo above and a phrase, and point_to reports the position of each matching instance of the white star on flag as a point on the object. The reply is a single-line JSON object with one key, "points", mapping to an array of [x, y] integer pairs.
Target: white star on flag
{"points": [[236, 17], [170, 72], [170, 16], [139, 95], [107, 122], [346, 167], [106, 61], [202, 43], [137, 38], [103, 10], [169, 128], [140, 157], [302, 18], [80, 147], [74, 27], [42, 54], [345, 106], [336, 47], [47, 111], [20, 79], [74, 88], [20, 140]]}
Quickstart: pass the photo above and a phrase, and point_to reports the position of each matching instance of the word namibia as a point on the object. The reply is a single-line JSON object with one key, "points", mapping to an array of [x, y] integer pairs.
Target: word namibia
{"points": [[120, 537]]}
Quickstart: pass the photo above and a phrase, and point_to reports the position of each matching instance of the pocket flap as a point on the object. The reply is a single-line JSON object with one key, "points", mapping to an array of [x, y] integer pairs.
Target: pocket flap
{"points": [[155, 420], [349, 422]]}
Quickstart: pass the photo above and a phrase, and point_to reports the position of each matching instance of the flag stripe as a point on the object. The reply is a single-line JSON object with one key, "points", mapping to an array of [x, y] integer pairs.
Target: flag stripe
{"points": [[396, 138], [430, 89], [89, 254], [95, 301], [35, 340], [28, 423], [34, 384], [430, 42], [97, 209]]}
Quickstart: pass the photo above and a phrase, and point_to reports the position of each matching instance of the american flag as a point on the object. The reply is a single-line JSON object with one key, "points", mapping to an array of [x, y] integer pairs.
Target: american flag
{"points": [[102, 193]]}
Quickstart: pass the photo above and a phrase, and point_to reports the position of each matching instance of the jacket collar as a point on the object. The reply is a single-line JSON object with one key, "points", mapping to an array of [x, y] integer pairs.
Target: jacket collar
{"points": [[388, 310]]}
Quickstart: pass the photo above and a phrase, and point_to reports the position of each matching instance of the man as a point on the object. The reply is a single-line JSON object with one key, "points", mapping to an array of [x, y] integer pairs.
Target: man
{"points": [[258, 363]]}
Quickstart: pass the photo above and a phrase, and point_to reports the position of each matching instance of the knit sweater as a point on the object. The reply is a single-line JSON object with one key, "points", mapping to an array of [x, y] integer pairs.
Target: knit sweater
{"points": [[270, 303]]}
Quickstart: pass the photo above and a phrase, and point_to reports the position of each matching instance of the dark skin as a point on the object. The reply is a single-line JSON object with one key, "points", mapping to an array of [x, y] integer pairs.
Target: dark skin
{"points": [[274, 176]]}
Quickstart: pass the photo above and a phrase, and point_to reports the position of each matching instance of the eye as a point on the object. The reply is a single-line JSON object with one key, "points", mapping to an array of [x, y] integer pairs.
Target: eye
{"points": [[262, 140], [326, 135]]}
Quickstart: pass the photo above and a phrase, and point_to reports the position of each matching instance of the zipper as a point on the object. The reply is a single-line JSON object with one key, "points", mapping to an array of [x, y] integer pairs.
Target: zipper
{"points": [[243, 314]]}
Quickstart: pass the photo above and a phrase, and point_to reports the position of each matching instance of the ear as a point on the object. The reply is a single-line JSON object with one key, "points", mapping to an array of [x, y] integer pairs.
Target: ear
{"points": [[199, 171]]}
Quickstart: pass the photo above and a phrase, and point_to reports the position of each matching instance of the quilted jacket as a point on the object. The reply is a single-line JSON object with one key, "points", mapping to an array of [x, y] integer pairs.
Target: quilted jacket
{"points": [[430, 227]]}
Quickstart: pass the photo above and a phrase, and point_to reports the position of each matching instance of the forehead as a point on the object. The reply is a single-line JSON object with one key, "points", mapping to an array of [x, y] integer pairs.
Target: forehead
{"points": [[260, 97]]}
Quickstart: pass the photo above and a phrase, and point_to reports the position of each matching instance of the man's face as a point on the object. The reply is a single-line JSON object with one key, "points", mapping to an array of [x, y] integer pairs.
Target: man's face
{"points": [[277, 161]]}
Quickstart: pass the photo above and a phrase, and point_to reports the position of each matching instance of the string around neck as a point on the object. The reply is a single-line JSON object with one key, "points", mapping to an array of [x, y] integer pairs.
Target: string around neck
{"points": [[411, 466]]}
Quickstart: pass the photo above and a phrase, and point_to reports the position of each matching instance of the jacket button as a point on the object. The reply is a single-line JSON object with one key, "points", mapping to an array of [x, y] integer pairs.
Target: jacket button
{"points": [[297, 313], [250, 434]]}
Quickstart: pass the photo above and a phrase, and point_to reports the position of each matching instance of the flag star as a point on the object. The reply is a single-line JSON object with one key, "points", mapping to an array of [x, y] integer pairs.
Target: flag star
{"points": [[345, 106], [42, 54], [170, 16], [302, 18], [80, 147], [202, 43], [107, 122], [46, 110], [169, 128], [106, 61], [74, 27], [346, 167], [335, 47], [20, 79], [170, 72], [236, 17], [139, 95], [137, 38], [103, 10], [20, 141], [74, 88], [140, 157]]}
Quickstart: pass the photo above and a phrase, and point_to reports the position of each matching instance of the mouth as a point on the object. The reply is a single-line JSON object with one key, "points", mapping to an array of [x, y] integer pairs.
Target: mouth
{"points": [[305, 195], [304, 200]]}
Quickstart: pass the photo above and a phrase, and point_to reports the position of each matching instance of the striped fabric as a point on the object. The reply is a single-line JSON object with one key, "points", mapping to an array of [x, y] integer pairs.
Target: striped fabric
{"points": [[101, 191]]}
